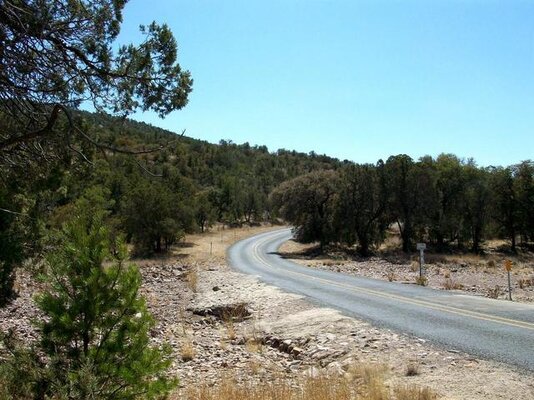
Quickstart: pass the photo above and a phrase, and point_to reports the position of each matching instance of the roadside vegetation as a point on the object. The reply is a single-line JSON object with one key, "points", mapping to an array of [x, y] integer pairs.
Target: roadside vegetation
{"points": [[361, 382], [449, 203]]}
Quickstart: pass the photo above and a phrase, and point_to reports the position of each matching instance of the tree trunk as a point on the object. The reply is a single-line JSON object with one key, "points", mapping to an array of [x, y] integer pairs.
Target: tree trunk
{"points": [[440, 240], [476, 240], [406, 238], [364, 245]]}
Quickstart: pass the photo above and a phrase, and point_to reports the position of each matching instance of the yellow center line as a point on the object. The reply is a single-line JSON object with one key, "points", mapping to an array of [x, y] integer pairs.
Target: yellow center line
{"points": [[390, 296]]}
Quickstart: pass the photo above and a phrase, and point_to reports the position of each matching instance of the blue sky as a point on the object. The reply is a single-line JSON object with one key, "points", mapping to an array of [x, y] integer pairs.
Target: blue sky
{"points": [[357, 80]]}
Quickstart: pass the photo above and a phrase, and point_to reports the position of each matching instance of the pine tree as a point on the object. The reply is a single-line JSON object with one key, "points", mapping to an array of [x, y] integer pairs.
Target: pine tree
{"points": [[95, 334]]}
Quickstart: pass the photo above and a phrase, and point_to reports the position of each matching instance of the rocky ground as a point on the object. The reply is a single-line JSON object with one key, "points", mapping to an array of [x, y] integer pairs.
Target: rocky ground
{"points": [[221, 323], [476, 275], [286, 336]]}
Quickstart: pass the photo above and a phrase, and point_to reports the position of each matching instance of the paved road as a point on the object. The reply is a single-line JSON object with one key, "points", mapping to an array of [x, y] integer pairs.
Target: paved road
{"points": [[493, 329]]}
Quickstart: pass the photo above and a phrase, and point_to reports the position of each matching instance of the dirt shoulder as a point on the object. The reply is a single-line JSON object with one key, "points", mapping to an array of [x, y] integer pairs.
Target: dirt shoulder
{"points": [[470, 274]]}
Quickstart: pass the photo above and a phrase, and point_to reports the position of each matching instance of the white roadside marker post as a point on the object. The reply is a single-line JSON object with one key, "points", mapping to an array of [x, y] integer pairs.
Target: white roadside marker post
{"points": [[421, 247]]}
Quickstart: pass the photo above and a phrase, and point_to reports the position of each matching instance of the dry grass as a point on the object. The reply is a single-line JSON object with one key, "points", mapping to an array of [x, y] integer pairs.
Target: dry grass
{"points": [[525, 282], [494, 293], [413, 392], [223, 344], [436, 258], [187, 351], [421, 280], [254, 339], [450, 284], [212, 245], [368, 372], [414, 266], [230, 390], [237, 313], [231, 333], [365, 383], [392, 242], [255, 367], [254, 346], [192, 279], [330, 263]]}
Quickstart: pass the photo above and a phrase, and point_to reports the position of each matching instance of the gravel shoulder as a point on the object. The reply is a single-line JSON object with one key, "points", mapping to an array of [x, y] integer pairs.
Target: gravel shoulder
{"points": [[468, 274]]}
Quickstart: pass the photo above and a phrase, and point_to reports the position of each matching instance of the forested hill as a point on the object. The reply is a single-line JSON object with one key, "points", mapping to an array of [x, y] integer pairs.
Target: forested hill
{"points": [[206, 163], [174, 184], [223, 182]]}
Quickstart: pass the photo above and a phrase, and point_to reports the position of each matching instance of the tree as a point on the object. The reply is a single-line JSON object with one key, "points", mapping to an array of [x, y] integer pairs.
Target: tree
{"points": [[307, 202], [477, 203], [524, 187], [410, 199], [58, 54], [253, 200], [205, 212], [402, 202], [152, 216], [446, 217], [95, 330], [54, 56], [505, 206], [360, 206]]}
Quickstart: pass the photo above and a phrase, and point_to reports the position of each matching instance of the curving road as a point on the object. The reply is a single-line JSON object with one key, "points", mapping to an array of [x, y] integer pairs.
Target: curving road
{"points": [[493, 329]]}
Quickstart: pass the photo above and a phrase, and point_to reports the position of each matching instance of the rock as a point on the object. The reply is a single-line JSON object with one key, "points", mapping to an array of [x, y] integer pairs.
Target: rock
{"points": [[273, 342], [321, 355], [294, 365], [296, 351], [330, 336], [237, 312], [347, 363], [335, 368], [312, 372], [216, 288], [285, 346]]}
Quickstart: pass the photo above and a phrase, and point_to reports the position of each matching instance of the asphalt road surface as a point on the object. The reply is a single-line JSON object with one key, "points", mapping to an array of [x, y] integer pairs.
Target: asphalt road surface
{"points": [[491, 329]]}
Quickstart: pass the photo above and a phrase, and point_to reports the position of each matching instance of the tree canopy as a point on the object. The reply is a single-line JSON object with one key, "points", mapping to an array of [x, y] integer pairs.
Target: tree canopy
{"points": [[56, 55], [444, 201]]}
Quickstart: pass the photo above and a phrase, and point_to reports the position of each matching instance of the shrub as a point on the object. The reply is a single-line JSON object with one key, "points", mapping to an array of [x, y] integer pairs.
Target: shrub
{"points": [[421, 280]]}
